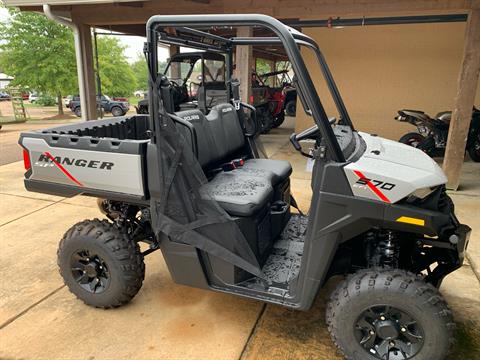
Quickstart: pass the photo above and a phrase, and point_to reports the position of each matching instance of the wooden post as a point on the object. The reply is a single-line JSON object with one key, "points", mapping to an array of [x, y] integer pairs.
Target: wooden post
{"points": [[88, 70], [464, 101], [271, 65], [176, 71], [244, 64]]}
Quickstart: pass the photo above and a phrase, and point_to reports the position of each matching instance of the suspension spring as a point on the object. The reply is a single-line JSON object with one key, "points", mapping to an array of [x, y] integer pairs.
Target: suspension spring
{"points": [[382, 248]]}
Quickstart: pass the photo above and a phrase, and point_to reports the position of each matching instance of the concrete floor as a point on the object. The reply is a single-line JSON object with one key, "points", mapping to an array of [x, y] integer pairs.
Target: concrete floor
{"points": [[40, 319]]}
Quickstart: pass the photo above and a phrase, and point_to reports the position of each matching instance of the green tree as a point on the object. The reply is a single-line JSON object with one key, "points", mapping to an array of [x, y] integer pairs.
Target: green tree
{"points": [[39, 54], [263, 66], [116, 75], [139, 68]]}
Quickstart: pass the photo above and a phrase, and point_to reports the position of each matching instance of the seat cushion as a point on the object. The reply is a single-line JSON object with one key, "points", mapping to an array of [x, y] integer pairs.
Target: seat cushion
{"points": [[276, 170], [240, 194]]}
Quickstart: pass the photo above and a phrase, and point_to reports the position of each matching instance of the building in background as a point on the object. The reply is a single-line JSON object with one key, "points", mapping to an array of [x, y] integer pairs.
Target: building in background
{"points": [[4, 80]]}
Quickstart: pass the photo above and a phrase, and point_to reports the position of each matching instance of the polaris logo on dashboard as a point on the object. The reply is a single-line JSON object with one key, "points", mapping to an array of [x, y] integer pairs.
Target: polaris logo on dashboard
{"points": [[44, 160], [377, 183]]}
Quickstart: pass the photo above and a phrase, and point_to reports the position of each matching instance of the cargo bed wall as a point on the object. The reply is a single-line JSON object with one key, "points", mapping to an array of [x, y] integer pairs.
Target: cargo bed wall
{"points": [[132, 127], [104, 158]]}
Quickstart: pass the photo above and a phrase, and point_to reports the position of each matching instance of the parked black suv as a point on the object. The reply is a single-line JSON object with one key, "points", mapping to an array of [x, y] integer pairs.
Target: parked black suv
{"points": [[117, 108]]}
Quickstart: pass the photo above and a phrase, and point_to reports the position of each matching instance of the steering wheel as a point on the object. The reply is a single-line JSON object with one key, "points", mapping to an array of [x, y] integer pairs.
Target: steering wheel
{"points": [[179, 92], [312, 133]]}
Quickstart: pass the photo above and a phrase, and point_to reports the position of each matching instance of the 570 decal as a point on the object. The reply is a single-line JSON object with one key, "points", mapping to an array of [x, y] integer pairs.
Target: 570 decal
{"points": [[376, 186], [377, 183]]}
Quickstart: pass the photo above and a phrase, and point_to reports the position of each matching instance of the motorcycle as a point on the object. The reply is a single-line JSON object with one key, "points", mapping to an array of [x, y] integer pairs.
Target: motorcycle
{"points": [[433, 132]]}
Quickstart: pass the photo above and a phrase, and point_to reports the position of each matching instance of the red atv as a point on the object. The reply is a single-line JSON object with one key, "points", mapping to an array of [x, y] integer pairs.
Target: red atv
{"points": [[269, 101]]}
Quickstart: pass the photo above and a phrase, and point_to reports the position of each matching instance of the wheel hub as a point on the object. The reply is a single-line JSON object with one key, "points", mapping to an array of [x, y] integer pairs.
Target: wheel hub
{"points": [[386, 332], [387, 329], [90, 271]]}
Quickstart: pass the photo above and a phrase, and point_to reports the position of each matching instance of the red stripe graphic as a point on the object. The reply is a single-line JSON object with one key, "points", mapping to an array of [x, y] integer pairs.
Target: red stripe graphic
{"points": [[371, 186], [62, 169]]}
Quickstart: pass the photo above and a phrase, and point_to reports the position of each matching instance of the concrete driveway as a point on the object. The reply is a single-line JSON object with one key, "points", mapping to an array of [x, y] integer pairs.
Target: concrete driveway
{"points": [[40, 319]]}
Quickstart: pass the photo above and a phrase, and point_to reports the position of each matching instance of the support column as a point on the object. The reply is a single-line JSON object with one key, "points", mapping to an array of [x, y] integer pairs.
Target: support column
{"points": [[244, 64], [84, 39], [464, 101], [175, 71], [271, 64]]}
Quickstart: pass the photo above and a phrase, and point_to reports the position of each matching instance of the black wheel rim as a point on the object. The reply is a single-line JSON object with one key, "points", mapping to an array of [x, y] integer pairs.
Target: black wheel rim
{"points": [[388, 333], [476, 146], [414, 141], [90, 271]]}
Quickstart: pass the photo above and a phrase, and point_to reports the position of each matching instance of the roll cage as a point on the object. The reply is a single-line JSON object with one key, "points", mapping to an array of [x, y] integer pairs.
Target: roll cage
{"points": [[187, 34]]}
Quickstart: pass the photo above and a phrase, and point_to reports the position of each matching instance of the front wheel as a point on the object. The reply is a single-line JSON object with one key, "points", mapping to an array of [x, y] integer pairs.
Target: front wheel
{"points": [[100, 264], [412, 139], [389, 314], [474, 147], [78, 111], [116, 111]]}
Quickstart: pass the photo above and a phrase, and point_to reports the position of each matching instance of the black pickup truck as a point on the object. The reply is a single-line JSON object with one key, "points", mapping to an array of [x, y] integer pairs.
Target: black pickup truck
{"points": [[117, 108]]}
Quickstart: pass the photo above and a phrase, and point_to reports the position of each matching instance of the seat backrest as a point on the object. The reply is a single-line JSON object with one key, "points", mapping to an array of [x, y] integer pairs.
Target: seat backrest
{"points": [[205, 143], [219, 134], [228, 133], [211, 94]]}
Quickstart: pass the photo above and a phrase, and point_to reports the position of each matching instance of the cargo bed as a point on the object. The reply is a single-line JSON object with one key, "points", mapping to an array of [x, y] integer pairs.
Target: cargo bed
{"points": [[103, 158]]}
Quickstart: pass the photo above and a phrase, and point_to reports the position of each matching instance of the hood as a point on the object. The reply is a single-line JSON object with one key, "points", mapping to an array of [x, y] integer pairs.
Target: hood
{"points": [[398, 153], [393, 170]]}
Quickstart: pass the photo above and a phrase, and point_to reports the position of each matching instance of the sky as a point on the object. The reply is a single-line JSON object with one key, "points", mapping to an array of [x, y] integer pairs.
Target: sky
{"points": [[3, 14], [134, 47]]}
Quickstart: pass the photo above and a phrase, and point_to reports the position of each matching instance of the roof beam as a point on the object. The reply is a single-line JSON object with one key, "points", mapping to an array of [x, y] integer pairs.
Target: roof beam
{"points": [[302, 9]]}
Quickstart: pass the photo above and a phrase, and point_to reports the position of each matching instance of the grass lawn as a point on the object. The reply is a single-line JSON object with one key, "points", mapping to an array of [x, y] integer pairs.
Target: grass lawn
{"points": [[6, 119], [133, 100]]}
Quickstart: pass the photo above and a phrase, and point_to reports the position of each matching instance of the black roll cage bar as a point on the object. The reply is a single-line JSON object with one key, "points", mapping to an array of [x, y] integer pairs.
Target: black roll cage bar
{"points": [[290, 38]]}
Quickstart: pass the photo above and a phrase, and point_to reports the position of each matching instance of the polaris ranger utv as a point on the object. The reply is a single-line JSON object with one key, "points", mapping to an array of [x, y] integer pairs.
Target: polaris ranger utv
{"points": [[195, 187]]}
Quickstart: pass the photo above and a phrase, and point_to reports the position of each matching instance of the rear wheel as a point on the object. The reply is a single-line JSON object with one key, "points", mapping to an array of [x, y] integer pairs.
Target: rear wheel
{"points": [[389, 314], [279, 119], [291, 108], [100, 264], [78, 111], [412, 139]]}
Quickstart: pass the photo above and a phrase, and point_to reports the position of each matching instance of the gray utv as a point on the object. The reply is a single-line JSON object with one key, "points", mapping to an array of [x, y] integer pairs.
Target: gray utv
{"points": [[198, 188]]}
